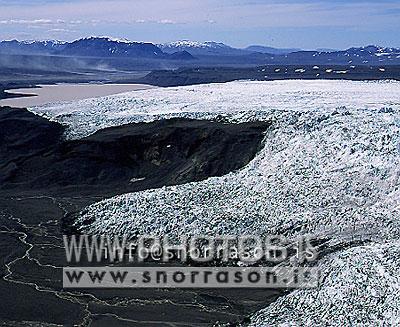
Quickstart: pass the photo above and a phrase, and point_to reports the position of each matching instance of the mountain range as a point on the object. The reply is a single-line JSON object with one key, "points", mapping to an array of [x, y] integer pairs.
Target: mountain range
{"points": [[202, 49], [98, 47], [105, 54], [112, 47], [275, 51], [188, 50]]}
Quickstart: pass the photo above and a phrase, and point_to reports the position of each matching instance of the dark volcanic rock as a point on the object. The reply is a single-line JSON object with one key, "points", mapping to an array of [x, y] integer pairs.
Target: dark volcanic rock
{"points": [[24, 135], [203, 75], [120, 159]]}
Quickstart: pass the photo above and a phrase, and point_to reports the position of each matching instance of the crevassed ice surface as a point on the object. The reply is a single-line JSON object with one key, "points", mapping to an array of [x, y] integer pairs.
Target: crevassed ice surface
{"points": [[204, 101], [329, 168], [360, 287]]}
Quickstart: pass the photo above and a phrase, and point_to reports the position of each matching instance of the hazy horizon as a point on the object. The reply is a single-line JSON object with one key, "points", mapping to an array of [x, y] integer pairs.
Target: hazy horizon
{"points": [[305, 24], [180, 40]]}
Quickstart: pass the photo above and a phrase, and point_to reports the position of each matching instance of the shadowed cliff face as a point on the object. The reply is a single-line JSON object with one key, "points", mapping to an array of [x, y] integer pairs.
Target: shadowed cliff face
{"points": [[116, 160]]}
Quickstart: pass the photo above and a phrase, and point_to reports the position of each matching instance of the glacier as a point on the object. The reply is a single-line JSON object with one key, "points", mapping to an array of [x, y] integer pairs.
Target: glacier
{"points": [[329, 169], [235, 99]]}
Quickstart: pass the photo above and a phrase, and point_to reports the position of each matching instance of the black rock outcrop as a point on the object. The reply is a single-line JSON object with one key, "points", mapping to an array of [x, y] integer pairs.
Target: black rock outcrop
{"points": [[33, 154]]}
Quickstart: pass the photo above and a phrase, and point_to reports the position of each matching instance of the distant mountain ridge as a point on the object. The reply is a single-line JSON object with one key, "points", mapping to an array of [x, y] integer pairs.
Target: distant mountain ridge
{"points": [[369, 55], [276, 51], [91, 47], [202, 53], [208, 48], [108, 47], [31, 46]]}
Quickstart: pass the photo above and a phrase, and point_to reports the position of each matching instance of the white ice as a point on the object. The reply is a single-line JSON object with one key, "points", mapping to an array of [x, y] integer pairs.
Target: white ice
{"points": [[329, 168]]}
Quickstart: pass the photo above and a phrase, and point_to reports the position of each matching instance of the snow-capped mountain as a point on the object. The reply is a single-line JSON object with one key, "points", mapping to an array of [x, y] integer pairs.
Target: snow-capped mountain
{"points": [[100, 47], [218, 48], [371, 54], [110, 47], [210, 52], [202, 48], [374, 50], [360, 55], [31, 46]]}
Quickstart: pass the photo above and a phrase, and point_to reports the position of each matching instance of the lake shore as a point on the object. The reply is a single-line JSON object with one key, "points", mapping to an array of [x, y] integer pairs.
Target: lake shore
{"points": [[45, 94]]}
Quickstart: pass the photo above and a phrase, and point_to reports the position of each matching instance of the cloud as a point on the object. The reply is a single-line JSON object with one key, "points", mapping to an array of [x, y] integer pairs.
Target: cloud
{"points": [[205, 19], [52, 22], [60, 30], [166, 21], [227, 13], [28, 22]]}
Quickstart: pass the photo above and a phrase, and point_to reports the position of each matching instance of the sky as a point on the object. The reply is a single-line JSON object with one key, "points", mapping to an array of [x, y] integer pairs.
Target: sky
{"points": [[307, 24]]}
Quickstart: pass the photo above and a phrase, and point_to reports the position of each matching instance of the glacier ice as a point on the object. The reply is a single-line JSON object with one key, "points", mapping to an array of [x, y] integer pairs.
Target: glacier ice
{"points": [[360, 287], [85, 117], [329, 168]]}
